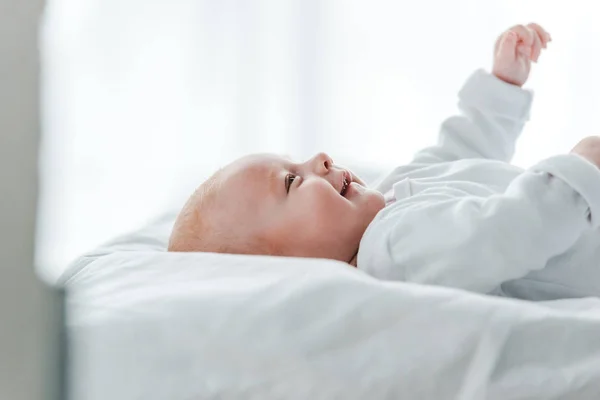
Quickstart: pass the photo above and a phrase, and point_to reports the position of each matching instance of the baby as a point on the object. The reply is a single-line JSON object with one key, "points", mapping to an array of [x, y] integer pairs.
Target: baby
{"points": [[458, 215]]}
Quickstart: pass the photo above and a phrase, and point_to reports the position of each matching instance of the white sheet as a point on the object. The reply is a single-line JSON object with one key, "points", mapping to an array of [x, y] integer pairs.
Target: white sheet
{"points": [[146, 324]]}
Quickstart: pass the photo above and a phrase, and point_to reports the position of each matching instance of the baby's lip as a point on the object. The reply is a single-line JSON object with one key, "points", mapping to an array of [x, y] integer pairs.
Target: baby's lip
{"points": [[347, 179], [350, 177]]}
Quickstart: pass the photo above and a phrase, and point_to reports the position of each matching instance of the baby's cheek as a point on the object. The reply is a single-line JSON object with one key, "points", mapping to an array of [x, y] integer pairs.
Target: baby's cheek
{"points": [[375, 201], [325, 205]]}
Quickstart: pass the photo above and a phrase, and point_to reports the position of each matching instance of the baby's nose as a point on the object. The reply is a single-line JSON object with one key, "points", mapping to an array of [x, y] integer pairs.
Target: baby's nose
{"points": [[321, 163]]}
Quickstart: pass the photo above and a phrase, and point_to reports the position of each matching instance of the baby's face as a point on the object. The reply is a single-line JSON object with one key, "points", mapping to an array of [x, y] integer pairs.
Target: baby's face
{"points": [[310, 209]]}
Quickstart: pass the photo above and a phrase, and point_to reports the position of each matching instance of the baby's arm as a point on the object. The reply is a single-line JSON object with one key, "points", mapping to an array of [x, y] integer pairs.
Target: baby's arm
{"points": [[493, 107], [492, 116], [442, 237]]}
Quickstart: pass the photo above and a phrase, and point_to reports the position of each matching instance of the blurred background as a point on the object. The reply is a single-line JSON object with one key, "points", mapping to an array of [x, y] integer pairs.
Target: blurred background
{"points": [[143, 99]]}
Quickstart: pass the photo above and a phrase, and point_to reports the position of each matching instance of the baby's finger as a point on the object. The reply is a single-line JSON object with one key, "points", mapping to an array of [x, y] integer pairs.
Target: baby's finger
{"points": [[541, 32], [526, 35], [524, 49], [544, 35], [536, 49], [507, 45]]}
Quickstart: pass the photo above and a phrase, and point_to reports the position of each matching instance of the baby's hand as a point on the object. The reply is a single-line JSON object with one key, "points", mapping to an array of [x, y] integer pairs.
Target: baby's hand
{"points": [[514, 51], [589, 148]]}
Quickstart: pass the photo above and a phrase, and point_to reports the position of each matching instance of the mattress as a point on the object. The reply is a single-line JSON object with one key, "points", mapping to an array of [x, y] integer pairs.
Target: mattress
{"points": [[147, 324]]}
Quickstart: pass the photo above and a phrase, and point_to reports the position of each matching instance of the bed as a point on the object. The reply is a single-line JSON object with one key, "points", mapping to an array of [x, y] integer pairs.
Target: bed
{"points": [[147, 324]]}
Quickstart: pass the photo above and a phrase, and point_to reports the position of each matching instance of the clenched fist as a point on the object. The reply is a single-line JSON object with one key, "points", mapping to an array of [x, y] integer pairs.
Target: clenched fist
{"points": [[515, 50]]}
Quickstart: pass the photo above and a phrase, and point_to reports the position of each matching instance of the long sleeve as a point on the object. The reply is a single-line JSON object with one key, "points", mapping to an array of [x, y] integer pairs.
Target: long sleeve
{"points": [[492, 116], [445, 237]]}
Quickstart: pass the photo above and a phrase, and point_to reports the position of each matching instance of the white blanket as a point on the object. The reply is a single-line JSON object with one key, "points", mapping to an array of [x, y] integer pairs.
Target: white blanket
{"points": [[147, 324]]}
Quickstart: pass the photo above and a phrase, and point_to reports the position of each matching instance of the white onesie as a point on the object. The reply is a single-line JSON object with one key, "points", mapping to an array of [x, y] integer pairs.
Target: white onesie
{"points": [[460, 215]]}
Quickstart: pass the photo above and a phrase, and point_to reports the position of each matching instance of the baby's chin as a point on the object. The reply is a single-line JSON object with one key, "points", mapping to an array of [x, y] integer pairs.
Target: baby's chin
{"points": [[356, 190], [358, 193]]}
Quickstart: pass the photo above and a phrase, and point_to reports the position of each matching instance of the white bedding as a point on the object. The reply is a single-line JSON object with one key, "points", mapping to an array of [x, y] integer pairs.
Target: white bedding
{"points": [[146, 324]]}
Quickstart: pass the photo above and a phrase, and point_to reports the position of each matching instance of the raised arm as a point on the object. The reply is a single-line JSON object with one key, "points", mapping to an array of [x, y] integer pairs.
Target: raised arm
{"points": [[492, 116], [493, 107]]}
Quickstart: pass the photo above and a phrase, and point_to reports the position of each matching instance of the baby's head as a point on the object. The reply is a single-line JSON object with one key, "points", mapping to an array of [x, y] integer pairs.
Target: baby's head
{"points": [[265, 204]]}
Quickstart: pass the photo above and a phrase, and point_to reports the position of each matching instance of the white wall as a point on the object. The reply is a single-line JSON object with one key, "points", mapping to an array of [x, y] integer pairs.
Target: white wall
{"points": [[144, 98]]}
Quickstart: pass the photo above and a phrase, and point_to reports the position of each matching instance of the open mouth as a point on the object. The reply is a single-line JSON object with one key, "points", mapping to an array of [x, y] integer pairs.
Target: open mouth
{"points": [[345, 184]]}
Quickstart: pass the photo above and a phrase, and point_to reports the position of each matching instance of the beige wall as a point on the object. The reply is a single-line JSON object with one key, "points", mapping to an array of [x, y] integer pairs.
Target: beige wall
{"points": [[28, 340]]}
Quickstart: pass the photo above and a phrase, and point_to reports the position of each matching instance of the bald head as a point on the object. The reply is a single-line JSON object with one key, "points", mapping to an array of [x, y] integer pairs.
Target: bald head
{"points": [[220, 216], [193, 229]]}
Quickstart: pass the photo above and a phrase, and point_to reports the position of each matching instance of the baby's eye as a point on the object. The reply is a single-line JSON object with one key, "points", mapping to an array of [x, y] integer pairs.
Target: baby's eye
{"points": [[289, 178]]}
